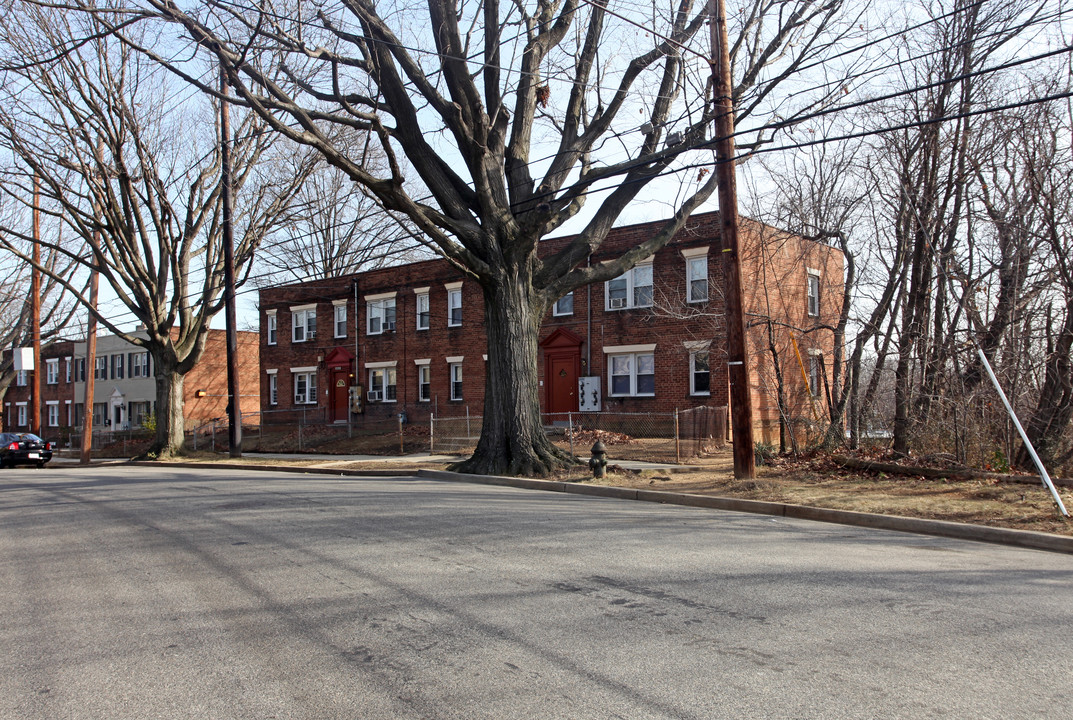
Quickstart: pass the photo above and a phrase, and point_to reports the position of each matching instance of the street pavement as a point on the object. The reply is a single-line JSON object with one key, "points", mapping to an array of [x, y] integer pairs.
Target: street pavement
{"points": [[134, 592]]}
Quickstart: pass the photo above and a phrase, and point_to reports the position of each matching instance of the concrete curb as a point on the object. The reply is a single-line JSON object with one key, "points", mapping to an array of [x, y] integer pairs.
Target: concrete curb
{"points": [[920, 526]]}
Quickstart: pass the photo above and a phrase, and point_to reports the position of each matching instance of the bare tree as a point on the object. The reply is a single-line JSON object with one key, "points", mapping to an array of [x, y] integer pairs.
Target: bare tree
{"points": [[122, 157], [498, 123]]}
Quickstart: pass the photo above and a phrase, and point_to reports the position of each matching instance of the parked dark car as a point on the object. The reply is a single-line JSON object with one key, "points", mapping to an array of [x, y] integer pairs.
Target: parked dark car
{"points": [[24, 449]]}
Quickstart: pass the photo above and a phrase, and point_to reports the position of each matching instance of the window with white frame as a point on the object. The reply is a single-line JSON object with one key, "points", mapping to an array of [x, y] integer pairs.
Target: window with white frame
{"points": [[630, 290], [273, 388], [700, 373], [454, 304], [631, 370], [80, 369], [564, 305], [379, 314], [100, 367], [339, 308], [52, 371], [21, 411], [383, 379], [696, 274], [53, 410], [270, 325], [20, 378], [424, 380], [422, 308], [118, 365], [70, 362], [303, 323], [813, 294], [139, 412], [139, 364], [455, 373], [305, 385]]}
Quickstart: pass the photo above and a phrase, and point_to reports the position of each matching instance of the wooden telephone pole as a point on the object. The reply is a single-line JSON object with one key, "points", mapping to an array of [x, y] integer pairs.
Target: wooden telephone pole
{"points": [[35, 314], [234, 411], [741, 412]]}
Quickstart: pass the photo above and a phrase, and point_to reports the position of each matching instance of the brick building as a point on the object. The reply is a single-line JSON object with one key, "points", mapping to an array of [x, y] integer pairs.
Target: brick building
{"points": [[410, 339], [124, 391]]}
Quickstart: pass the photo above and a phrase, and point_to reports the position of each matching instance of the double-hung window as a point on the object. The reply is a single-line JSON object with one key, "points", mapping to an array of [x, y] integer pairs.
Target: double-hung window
{"points": [[454, 304], [630, 290], [52, 371], [303, 323], [815, 373], [118, 363], [379, 314], [700, 374], [273, 388], [20, 378], [424, 380], [270, 325], [53, 413], [696, 274], [139, 364], [23, 419], [100, 368], [339, 307], [305, 385], [80, 369], [813, 294], [564, 305], [422, 308], [454, 372], [383, 381], [70, 362], [631, 370]]}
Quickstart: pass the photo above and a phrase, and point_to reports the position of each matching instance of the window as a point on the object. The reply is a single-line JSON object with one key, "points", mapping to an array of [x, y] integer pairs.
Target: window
{"points": [[270, 323], [139, 413], [631, 290], [564, 305], [815, 373], [697, 278], [23, 421], [382, 384], [305, 386], [380, 315], [424, 382], [53, 410], [340, 319], [139, 364], [52, 371], [100, 414], [303, 323], [632, 374], [422, 309], [70, 362], [813, 294], [455, 369], [20, 378], [76, 420], [700, 376], [118, 363], [454, 304], [100, 368], [273, 389], [80, 370]]}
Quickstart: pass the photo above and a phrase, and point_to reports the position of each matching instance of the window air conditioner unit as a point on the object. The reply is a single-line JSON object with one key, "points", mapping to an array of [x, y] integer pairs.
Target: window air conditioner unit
{"points": [[389, 326], [616, 303], [373, 395]]}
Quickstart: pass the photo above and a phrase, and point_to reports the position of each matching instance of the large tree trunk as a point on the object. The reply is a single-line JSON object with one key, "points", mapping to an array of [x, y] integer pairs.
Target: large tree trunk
{"points": [[513, 441], [170, 430]]}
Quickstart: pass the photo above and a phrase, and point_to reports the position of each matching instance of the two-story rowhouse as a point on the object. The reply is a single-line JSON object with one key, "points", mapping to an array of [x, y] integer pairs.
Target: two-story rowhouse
{"points": [[411, 340], [124, 388]]}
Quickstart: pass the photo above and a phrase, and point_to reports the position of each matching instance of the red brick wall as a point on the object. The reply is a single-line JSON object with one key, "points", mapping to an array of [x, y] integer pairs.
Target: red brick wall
{"points": [[210, 375]]}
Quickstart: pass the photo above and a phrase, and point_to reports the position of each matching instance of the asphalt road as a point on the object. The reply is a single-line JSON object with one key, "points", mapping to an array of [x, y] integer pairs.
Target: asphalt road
{"points": [[131, 592]]}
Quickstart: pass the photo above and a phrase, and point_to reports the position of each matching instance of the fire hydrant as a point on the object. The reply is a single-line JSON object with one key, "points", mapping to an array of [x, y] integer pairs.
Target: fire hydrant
{"points": [[598, 461]]}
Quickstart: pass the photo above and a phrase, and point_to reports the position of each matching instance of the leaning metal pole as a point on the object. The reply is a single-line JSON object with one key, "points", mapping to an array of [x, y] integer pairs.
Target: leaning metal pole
{"points": [[1024, 436], [737, 357]]}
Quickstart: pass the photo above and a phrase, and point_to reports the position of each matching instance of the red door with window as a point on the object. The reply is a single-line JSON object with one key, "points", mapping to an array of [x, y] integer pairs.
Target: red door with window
{"points": [[562, 367], [339, 363]]}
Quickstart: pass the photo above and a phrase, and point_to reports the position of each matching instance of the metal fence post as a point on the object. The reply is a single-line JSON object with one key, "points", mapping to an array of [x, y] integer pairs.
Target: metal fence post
{"points": [[431, 432], [570, 430], [677, 440], [402, 451]]}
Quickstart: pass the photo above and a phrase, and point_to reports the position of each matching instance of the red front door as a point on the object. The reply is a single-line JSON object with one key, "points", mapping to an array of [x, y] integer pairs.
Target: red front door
{"points": [[340, 395], [561, 372]]}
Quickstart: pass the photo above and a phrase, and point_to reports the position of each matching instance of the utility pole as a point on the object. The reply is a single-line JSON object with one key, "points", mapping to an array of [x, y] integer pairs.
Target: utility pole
{"points": [[35, 313], [91, 336], [234, 412], [741, 412]]}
